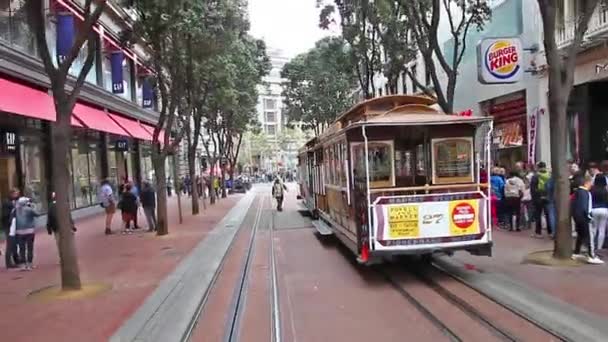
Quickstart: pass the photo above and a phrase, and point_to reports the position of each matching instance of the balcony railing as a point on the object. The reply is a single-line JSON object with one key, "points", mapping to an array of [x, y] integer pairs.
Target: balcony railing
{"points": [[598, 26]]}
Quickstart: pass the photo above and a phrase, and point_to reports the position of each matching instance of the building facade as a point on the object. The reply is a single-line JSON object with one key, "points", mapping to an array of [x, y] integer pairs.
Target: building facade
{"points": [[113, 118], [587, 136], [512, 105]]}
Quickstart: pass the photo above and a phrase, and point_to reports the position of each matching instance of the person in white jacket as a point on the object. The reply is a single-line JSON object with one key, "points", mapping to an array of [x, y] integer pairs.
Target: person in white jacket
{"points": [[514, 190]]}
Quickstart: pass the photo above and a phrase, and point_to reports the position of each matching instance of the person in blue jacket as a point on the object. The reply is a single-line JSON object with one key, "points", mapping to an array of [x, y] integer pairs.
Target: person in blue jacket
{"points": [[497, 183]]}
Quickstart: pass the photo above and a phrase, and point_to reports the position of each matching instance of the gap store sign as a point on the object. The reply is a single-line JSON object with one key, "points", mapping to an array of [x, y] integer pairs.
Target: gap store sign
{"points": [[499, 60]]}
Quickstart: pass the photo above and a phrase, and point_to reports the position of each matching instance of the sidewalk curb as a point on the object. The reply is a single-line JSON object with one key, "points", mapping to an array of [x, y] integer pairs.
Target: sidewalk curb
{"points": [[167, 313], [563, 319]]}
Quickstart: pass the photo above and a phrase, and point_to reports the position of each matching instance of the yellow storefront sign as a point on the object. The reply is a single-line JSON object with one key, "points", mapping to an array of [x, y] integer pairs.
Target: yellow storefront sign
{"points": [[403, 222], [464, 217]]}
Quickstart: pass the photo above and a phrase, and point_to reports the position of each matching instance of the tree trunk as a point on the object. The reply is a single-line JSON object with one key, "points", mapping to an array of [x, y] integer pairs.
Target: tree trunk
{"points": [[557, 111], [158, 161], [60, 145], [179, 195], [192, 173], [223, 182]]}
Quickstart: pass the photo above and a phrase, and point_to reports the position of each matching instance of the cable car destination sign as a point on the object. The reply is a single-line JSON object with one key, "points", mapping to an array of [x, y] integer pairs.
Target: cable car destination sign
{"points": [[499, 60]]}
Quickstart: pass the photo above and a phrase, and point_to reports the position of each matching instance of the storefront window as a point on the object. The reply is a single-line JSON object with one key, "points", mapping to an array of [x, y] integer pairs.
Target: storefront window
{"points": [[86, 168], [146, 163], [33, 168], [452, 160], [14, 28]]}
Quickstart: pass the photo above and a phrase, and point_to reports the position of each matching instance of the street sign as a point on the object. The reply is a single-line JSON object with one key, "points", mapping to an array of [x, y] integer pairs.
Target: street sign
{"points": [[499, 60]]}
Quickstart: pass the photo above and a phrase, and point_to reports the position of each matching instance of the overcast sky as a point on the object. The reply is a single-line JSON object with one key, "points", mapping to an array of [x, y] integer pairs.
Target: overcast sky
{"points": [[289, 25]]}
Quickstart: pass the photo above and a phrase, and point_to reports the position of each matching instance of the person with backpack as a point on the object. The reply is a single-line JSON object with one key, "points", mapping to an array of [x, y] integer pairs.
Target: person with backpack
{"points": [[514, 190], [538, 190], [128, 208], [277, 192], [148, 202]]}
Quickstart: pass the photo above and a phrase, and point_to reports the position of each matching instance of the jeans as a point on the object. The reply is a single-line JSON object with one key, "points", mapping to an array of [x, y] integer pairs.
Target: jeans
{"points": [[513, 208], [600, 220], [11, 255], [541, 206], [585, 234], [279, 203], [26, 247], [150, 213]]}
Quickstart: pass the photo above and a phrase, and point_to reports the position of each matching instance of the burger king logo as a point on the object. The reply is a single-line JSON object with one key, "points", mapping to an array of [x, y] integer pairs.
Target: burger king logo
{"points": [[502, 59]]}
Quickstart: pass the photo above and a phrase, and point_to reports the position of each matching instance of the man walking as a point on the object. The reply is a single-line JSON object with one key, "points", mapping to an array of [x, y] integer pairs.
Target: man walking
{"points": [[148, 202], [277, 192], [108, 202], [11, 254], [52, 226]]}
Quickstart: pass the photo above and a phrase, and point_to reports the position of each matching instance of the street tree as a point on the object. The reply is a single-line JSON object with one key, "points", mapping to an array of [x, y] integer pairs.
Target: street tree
{"points": [[561, 64], [359, 21], [166, 29], [423, 17], [65, 89], [319, 84], [216, 25]]}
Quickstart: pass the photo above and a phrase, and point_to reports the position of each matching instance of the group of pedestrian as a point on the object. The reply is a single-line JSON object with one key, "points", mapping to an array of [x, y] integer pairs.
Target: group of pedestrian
{"points": [[527, 195], [128, 201], [18, 222]]}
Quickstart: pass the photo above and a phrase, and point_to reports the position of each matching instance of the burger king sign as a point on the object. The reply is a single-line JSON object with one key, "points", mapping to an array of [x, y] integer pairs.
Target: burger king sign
{"points": [[499, 60]]}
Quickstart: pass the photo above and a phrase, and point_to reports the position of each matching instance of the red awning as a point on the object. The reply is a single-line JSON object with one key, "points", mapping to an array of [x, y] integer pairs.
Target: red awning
{"points": [[97, 120], [75, 122], [150, 129], [132, 127], [23, 100]]}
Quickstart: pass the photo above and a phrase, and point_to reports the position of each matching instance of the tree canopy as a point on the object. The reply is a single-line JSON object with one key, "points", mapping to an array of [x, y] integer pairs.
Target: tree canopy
{"points": [[319, 84]]}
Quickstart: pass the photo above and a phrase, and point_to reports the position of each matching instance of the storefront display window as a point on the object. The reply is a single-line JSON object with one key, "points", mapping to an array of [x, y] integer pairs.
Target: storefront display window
{"points": [[33, 163], [452, 160], [86, 169], [146, 163]]}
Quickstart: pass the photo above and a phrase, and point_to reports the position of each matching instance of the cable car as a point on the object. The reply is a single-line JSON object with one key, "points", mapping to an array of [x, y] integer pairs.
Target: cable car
{"points": [[395, 175]]}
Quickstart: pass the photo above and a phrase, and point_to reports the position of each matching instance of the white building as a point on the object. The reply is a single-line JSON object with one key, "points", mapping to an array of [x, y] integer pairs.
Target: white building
{"points": [[270, 102], [269, 108]]}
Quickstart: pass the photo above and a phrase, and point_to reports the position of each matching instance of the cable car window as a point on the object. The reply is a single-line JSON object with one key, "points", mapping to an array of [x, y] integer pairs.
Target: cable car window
{"points": [[381, 163], [452, 160]]}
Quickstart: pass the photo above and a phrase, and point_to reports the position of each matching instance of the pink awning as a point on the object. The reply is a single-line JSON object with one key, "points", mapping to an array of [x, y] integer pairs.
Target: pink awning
{"points": [[97, 120], [22, 100], [150, 129], [132, 127]]}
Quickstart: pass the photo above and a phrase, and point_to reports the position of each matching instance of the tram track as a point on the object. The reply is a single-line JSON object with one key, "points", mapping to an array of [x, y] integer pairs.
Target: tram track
{"points": [[238, 301], [406, 284]]}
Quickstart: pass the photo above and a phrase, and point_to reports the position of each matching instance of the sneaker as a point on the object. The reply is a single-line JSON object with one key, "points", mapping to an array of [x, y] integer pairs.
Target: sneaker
{"points": [[109, 231], [594, 261], [538, 236], [577, 256]]}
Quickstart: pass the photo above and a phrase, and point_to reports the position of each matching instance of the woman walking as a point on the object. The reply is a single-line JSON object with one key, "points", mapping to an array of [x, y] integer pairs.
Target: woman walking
{"points": [[128, 207], [599, 195]]}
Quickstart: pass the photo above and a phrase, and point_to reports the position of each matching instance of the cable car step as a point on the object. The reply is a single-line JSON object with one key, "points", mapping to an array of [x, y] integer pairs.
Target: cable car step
{"points": [[322, 227]]}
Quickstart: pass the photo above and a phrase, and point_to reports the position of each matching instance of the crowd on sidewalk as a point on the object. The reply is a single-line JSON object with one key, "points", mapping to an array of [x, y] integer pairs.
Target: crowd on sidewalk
{"points": [[524, 198]]}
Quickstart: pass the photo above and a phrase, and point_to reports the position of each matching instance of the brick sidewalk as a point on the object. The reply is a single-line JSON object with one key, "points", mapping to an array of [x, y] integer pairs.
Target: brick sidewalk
{"points": [[584, 286], [133, 264]]}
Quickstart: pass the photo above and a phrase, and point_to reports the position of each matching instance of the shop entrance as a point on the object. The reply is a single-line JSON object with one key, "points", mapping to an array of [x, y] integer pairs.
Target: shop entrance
{"points": [[8, 175]]}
